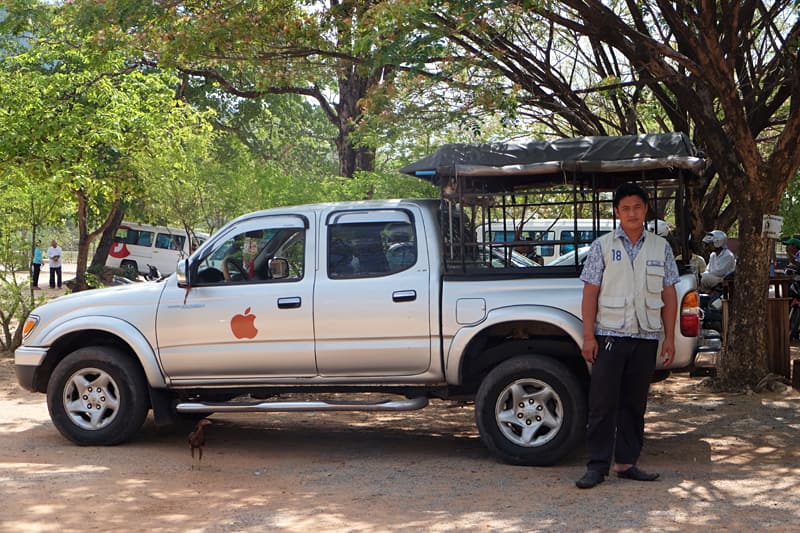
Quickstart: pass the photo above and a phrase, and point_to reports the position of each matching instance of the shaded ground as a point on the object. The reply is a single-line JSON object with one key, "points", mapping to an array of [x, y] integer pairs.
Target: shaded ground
{"points": [[727, 461]]}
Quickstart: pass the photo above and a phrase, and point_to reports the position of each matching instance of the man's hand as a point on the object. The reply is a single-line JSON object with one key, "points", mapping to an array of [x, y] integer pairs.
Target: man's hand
{"points": [[589, 349], [668, 351]]}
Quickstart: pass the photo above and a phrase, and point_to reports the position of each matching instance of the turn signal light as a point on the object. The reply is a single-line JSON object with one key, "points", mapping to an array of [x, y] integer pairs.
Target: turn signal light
{"points": [[30, 323], [690, 315], [691, 300]]}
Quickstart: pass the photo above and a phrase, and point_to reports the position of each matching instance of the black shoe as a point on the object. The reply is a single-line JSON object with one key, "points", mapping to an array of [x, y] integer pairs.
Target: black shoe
{"points": [[590, 479], [637, 474]]}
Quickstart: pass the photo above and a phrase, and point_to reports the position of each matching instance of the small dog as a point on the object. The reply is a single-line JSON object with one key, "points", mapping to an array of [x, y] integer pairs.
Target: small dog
{"points": [[197, 439]]}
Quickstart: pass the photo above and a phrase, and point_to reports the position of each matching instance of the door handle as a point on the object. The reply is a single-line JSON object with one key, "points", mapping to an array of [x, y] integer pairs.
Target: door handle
{"points": [[404, 296], [289, 303]]}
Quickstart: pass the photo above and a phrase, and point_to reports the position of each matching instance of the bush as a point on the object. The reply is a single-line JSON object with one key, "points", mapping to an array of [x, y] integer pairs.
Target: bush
{"points": [[106, 274], [16, 300]]}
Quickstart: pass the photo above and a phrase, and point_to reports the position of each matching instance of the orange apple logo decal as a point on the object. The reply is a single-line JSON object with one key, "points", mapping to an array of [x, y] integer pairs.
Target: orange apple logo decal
{"points": [[243, 325]]}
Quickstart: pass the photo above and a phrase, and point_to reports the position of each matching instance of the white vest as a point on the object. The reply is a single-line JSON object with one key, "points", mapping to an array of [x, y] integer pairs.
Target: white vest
{"points": [[630, 296]]}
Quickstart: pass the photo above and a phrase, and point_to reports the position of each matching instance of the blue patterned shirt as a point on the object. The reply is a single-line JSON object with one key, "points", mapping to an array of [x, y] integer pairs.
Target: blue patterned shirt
{"points": [[595, 265]]}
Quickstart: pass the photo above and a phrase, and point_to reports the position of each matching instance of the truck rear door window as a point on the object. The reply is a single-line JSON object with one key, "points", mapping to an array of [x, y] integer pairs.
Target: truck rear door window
{"points": [[359, 247]]}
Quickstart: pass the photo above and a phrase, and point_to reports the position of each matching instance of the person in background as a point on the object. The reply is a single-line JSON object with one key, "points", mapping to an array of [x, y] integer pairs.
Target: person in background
{"points": [[54, 256], [402, 252], [36, 265], [721, 262], [793, 255], [529, 251], [697, 262]]}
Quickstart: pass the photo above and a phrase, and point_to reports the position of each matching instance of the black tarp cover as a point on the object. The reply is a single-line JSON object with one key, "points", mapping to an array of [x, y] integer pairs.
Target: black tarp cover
{"points": [[649, 155]]}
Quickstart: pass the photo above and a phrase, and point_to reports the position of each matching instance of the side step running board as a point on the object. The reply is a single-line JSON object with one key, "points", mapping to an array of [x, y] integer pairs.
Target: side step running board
{"points": [[409, 404]]}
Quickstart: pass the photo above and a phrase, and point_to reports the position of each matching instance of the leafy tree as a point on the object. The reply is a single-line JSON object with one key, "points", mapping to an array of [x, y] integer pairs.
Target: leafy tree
{"points": [[726, 73], [319, 50], [735, 70], [82, 119]]}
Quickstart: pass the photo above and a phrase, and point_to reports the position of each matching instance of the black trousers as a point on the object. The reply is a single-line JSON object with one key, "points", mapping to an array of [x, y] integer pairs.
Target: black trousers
{"points": [[37, 267], [55, 271], [618, 400]]}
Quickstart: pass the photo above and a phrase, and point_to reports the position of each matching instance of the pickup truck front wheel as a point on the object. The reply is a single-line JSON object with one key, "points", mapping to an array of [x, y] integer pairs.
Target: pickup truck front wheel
{"points": [[530, 411], [97, 396]]}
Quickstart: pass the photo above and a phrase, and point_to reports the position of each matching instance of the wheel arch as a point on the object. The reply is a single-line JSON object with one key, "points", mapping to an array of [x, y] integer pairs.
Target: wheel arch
{"points": [[508, 332], [99, 331]]}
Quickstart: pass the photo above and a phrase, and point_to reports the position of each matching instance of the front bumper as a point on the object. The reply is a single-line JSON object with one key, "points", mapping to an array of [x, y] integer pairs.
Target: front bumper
{"points": [[27, 362]]}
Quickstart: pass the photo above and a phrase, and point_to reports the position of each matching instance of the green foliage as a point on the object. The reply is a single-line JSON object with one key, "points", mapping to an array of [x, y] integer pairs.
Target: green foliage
{"points": [[790, 207], [82, 124], [93, 281], [16, 296]]}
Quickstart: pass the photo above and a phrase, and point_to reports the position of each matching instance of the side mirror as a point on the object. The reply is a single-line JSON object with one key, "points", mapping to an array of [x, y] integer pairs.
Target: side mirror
{"points": [[182, 273], [279, 268]]}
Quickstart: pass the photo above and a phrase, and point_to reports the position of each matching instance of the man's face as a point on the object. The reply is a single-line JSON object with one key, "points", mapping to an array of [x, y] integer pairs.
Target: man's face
{"points": [[631, 212], [791, 249], [53, 244]]}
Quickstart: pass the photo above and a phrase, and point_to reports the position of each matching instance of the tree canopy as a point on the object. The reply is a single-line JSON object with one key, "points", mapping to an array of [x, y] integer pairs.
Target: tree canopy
{"points": [[192, 112]]}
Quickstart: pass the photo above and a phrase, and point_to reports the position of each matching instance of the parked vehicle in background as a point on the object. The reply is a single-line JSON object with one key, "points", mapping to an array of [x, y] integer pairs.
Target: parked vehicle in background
{"points": [[570, 259], [139, 246], [556, 235]]}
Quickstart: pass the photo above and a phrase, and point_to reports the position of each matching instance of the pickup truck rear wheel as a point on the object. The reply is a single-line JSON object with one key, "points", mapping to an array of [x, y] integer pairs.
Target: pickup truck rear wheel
{"points": [[97, 396], [530, 411]]}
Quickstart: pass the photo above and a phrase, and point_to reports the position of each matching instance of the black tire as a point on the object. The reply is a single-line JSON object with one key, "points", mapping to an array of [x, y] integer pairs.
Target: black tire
{"points": [[97, 396], [131, 268], [531, 410]]}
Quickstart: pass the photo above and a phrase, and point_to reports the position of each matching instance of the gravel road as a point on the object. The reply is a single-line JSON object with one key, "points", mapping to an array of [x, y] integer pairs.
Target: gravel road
{"points": [[726, 461]]}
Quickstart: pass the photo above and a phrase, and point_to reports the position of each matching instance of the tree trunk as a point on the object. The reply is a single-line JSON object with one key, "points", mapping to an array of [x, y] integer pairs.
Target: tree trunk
{"points": [[107, 240], [352, 88], [85, 237], [744, 360]]}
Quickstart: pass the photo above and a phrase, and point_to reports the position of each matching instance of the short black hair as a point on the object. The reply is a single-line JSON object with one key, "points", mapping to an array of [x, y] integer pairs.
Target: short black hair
{"points": [[630, 189]]}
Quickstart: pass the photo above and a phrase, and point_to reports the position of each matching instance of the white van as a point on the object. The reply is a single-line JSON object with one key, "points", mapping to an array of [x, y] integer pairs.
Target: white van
{"points": [[138, 245], [545, 231]]}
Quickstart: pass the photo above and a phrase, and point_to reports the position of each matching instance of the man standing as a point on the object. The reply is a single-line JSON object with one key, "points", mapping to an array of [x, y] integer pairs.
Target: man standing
{"points": [[54, 255], [629, 300], [36, 264]]}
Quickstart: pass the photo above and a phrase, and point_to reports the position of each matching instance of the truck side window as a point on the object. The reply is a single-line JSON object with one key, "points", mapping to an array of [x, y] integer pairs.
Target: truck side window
{"points": [[370, 249], [245, 257]]}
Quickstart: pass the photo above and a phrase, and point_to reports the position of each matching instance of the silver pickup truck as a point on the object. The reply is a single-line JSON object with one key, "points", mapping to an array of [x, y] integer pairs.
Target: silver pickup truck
{"points": [[330, 300]]}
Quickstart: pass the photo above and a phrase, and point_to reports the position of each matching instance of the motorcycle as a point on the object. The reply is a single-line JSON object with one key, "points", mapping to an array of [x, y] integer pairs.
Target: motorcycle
{"points": [[711, 307], [153, 274]]}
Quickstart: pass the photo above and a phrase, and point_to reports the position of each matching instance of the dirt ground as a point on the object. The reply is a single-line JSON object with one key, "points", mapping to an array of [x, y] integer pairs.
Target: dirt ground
{"points": [[726, 462]]}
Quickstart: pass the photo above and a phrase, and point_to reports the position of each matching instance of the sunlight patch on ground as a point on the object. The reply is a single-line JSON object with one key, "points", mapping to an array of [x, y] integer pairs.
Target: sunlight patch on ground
{"points": [[49, 469]]}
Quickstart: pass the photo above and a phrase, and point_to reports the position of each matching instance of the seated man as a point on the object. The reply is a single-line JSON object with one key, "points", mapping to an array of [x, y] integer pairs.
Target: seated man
{"points": [[529, 251], [402, 252], [721, 263]]}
